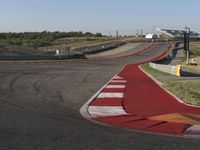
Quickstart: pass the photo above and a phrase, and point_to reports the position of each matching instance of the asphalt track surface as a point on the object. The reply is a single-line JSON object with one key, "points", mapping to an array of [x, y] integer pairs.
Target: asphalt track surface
{"points": [[39, 108]]}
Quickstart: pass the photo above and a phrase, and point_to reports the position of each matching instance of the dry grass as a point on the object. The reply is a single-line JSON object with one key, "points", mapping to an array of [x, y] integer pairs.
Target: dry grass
{"points": [[195, 45], [195, 48], [188, 91], [191, 68]]}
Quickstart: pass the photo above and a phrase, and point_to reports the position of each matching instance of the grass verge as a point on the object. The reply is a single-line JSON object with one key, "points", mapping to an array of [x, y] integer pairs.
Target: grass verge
{"points": [[195, 48], [187, 90]]}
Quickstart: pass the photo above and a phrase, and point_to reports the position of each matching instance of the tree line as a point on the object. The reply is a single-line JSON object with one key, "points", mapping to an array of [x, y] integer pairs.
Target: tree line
{"points": [[46, 34], [34, 40]]}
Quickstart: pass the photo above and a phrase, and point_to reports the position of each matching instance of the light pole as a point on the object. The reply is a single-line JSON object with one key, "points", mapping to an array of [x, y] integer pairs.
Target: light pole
{"points": [[117, 35], [187, 44]]}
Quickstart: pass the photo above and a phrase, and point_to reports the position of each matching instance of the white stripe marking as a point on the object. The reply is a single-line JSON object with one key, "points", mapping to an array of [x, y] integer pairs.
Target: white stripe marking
{"points": [[115, 87], [118, 77], [110, 95], [118, 81], [103, 111]]}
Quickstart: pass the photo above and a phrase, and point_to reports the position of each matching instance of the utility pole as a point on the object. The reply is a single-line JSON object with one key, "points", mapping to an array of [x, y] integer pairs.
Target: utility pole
{"points": [[153, 29], [187, 44], [117, 34], [109, 33]]}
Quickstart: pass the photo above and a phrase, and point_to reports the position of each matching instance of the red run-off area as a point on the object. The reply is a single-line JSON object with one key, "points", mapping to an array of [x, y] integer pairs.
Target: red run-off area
{"points": [[134, 100]]}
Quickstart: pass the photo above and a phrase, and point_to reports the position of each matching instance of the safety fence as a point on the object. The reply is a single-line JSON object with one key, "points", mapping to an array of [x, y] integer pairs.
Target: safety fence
{"points": [[174, 70]]}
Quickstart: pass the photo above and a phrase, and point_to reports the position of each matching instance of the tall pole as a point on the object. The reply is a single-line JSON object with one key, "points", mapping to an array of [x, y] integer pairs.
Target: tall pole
{"points": [[117, 34], [187, 44], [153, 29]]}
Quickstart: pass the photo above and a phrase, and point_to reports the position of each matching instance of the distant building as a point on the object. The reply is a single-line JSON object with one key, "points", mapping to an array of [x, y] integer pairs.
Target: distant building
{"points": [[151, 36]]}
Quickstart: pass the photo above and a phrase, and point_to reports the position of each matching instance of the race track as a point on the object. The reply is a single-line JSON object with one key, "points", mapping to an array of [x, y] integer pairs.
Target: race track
{"points": [[39, 108]]}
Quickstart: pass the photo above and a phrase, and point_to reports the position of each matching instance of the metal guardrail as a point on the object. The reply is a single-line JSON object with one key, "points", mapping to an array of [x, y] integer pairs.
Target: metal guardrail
{"points": [[33, 57], [99, 48], [174, 70], [27, 52]]}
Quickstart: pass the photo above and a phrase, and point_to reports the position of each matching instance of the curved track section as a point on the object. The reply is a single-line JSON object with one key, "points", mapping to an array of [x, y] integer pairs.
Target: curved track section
{"points": [[133, 100], [39, 108]]}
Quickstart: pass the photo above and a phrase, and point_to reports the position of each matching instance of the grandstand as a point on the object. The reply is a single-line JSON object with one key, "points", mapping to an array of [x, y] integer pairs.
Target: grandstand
{"points": [[178, 33]]}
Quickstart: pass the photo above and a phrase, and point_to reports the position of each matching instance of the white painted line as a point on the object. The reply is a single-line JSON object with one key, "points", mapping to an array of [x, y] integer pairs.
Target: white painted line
{"points": [[118, 77], [110, 95], [84, 109], [118, 81], [115, 86], [104, 111], [193, 131]]}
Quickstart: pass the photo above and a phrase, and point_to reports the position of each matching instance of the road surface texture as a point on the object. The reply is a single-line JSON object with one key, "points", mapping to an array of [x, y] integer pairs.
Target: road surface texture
{"points": [[39, 108]]}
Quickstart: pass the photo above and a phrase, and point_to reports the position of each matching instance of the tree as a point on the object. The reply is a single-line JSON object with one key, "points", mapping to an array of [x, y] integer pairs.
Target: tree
{"points": [[98, 35]]}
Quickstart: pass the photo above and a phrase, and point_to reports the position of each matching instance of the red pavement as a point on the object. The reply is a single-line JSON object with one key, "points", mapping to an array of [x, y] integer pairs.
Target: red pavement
{"points": [[143, 98]]}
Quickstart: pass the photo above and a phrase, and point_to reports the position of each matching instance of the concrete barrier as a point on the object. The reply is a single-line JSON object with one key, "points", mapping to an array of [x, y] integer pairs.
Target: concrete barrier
{"points": [[174, 70]]}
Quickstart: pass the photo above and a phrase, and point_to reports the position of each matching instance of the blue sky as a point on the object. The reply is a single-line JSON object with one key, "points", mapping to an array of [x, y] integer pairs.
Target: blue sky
{"points": [[98, 15]]}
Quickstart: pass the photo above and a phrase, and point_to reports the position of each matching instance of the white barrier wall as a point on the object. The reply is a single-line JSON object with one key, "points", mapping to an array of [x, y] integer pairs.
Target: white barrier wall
{"points": [[174, 70]]}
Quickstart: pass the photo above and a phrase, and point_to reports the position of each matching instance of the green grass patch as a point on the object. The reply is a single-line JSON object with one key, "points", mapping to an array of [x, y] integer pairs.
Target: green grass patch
{"points": [[153, 72], [188, 91], [195, 48]]}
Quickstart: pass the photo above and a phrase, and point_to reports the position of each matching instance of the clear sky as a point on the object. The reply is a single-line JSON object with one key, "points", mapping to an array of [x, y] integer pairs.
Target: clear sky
{"points": [[98, 15]]}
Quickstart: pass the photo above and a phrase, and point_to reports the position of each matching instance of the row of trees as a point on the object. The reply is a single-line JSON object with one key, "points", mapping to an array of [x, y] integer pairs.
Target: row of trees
{"points": [[47, 35], [34, 40]]}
